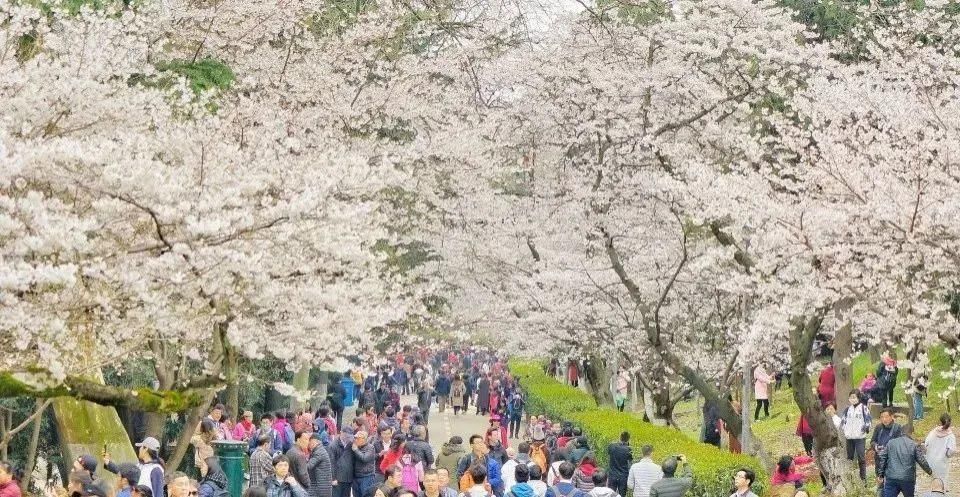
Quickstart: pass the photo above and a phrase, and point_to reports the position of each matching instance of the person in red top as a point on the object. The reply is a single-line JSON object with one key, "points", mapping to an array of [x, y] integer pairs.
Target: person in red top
{"points": [[8, 484], [825, 389], [573, 373], [392, 454], [786, 473]]}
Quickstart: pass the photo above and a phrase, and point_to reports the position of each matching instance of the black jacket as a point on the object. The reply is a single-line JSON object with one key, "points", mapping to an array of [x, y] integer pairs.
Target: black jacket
{"points": [[621, 458], [341, 460], [882, 435], [321, 473], [298, 466], [364, 460], [421, 451]]}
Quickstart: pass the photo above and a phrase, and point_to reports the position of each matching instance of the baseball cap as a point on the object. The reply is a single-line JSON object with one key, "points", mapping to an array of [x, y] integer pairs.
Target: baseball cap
{"points": [[150, 443]]}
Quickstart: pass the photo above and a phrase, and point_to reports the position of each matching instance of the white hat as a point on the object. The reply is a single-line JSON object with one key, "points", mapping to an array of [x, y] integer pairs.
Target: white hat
{"points": [[150, 443]]}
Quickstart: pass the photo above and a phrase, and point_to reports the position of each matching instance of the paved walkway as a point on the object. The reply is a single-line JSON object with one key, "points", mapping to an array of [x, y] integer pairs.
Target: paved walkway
{"points": [[445, 425]]}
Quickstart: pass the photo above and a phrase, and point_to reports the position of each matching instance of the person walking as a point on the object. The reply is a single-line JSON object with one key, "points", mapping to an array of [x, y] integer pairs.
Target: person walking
{"points": [[940, 445], [483, 395], [897, 467], [644, 473], [855, 423], [425, 393], [670, 485], [620, 457], [458, 395], [442, 387], [885, 431], [515, 408], [761, 391]]}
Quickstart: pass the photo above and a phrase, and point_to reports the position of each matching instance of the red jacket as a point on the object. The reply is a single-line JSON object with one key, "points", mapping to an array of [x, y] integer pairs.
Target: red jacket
{"points": [[826, 386], [803, 428]]}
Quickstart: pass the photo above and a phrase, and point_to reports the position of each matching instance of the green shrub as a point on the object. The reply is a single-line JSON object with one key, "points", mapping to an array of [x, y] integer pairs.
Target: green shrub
{"points": [[713, 469], [547, 395]]}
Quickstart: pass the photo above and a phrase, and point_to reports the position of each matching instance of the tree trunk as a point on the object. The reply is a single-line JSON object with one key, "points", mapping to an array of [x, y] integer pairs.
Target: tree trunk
{"points": [[34, 443], [663, 408], [648, 404], [746, 438], [189, 428], [231, 370], [842, 354], [301, 382], [595, 372], [842, 477]]}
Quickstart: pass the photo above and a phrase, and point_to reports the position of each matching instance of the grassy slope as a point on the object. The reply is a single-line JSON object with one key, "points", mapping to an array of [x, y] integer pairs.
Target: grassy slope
{"points": [[778, 432]]}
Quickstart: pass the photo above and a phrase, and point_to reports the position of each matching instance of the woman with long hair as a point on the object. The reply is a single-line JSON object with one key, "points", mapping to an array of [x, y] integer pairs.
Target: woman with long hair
{"points": [[941, 444]]}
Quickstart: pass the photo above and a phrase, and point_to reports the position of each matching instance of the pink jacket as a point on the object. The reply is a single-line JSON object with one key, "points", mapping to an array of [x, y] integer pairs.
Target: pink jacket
{"points": [[761, 380], [11, 489]]}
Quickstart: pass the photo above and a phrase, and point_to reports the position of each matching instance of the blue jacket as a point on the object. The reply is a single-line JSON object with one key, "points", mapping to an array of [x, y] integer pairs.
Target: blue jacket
{"points": [[494, 475], [442, 387], [275, 447]]}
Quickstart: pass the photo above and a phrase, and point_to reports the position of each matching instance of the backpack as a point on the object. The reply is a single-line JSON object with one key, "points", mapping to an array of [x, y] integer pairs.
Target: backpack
{"points": [[538, 456], [409, 477]]}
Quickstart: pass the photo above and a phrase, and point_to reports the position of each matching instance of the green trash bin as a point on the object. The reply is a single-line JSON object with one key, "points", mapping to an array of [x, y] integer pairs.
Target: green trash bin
{"points": [[231, 454]]}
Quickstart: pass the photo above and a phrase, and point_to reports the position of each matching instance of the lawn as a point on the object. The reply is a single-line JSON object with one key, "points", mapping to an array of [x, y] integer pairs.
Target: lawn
{"points": [[778, 432]]}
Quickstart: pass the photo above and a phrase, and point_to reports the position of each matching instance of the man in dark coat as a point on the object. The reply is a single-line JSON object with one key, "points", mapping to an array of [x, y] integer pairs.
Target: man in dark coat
{"points": [[483, 395], [419, 448], [298, 458], [621, 457], [320, 469], [341, 459]]}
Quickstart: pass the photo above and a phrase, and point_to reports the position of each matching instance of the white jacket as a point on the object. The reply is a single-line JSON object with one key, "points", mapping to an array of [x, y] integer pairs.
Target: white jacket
{"points": [[643, 474]]}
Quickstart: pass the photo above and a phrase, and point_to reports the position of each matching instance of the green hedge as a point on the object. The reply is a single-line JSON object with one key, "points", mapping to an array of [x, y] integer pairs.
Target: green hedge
{"points": [[713, 469]]}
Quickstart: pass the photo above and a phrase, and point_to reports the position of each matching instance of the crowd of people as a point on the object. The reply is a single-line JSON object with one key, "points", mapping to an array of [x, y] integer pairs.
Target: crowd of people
{"points": [[384, 450]]}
